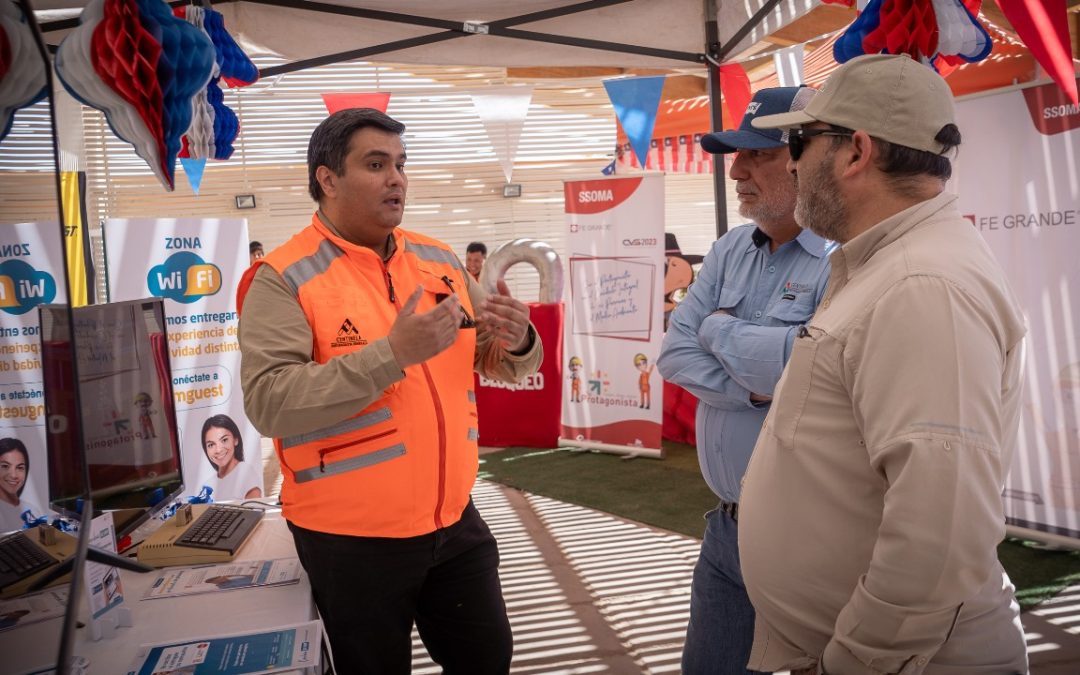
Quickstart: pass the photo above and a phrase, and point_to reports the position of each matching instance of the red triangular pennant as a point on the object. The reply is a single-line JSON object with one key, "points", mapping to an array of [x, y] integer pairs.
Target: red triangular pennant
{"points": [[346, 100]]}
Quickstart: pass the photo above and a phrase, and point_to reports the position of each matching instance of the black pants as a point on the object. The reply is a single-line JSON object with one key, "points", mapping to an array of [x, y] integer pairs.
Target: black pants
{"points": [[369, 591]]}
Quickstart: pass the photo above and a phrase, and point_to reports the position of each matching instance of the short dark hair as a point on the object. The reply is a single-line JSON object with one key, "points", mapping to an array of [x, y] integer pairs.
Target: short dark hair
{"points": [[13, 444], [254, 246], [223, 422], [329, 142], [476, 247], [902, 164]]}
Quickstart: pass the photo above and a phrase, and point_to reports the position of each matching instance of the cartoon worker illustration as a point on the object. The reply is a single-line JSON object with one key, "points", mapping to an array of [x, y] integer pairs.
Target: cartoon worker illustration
{"points": [[575, 379], [641, 362], [145, 403]]}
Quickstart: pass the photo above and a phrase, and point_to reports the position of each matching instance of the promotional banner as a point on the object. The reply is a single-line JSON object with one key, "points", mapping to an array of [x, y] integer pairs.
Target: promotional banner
{"points": [[499, 403], [1016, 175], [614, 314], [195, 264], [31, 274]]}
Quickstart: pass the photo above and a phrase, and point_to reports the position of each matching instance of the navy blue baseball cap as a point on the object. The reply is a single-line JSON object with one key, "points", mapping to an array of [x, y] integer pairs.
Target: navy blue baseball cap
{"points": [[771, 101]]}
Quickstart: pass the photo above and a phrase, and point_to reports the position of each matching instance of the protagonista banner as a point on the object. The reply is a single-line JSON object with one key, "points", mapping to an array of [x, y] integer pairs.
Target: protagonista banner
{"points": [[614, 314]]}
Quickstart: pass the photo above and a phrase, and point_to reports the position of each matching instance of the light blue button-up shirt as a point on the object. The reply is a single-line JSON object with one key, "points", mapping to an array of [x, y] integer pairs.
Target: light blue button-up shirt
{"points": [[723, 358]]}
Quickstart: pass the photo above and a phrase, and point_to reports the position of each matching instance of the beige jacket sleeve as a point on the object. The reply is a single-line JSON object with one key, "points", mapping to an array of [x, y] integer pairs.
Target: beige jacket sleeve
{"points": [[287, 393], [925, 371], [494, 362]]}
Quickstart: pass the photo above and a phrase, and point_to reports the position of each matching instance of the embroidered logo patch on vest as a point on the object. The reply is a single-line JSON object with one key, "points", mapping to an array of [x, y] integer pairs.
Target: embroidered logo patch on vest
{"points": [[348, 336]]}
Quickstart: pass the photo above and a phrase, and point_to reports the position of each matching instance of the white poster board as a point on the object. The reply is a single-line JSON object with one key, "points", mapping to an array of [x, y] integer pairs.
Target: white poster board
{"points": [[195, 264], [1018, 177], [614, 320], [31, 274]]}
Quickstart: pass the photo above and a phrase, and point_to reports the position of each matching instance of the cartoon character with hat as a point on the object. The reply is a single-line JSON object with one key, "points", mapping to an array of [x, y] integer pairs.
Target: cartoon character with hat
{"points": [[576, 367], [145, 403], [641, 362], [678, 273]]}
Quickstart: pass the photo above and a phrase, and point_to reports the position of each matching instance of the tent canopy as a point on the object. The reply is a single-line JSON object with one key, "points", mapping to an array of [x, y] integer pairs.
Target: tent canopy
{"points": [[526, 33]]}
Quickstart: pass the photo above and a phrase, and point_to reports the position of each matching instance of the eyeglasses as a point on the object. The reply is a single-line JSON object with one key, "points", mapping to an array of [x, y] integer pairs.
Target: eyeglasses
{"points": [[798, 138]]}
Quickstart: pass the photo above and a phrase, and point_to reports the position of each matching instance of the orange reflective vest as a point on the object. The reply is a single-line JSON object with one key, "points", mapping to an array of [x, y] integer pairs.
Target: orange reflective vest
{"points": [[403, 466]]}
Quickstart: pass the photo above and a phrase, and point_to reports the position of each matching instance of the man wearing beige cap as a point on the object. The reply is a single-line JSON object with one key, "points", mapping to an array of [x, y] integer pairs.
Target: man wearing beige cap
{"points": [[871, 509]]}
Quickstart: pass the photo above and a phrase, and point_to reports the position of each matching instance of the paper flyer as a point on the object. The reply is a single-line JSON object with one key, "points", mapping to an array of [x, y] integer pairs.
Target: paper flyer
{"points": [[102, 581], [270, 651], [181, 581], [27, 609]]}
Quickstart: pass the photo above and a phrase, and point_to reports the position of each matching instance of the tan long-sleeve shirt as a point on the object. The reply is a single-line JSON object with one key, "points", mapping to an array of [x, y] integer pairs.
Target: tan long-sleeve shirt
{"points": [[286, 393], [871, 509]]}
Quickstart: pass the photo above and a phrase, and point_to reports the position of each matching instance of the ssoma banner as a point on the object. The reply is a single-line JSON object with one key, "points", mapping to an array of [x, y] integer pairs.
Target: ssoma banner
{"points": [[1017, 176], [195, 265], [31, 274], [614, 315]]}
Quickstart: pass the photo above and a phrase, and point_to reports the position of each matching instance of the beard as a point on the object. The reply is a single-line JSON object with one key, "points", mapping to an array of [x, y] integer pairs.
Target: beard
{"points": [[772, 206], [819, 206]]}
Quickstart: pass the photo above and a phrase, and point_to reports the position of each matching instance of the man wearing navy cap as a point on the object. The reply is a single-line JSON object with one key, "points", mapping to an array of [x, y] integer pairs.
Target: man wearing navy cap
{"points": [[727, 343]]}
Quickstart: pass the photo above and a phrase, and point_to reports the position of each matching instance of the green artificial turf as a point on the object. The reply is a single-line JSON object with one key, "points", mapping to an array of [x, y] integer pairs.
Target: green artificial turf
{"points": [[671, 494]]}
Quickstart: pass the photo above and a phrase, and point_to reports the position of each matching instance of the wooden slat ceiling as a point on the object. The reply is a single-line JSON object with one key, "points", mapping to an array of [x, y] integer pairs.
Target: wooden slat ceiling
{"points": [[812, 29]]}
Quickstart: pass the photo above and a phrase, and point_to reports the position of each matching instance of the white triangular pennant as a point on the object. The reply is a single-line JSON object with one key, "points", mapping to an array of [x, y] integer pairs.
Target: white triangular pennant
{"points": [[503, 111], [789, 65]]}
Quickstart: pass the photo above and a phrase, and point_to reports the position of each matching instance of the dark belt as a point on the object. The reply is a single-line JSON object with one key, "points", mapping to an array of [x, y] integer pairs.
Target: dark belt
{"points": [[731, 508]]}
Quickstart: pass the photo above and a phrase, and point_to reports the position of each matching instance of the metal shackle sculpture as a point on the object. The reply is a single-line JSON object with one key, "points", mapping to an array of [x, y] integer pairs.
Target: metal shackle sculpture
{"points": [[536, 253]]}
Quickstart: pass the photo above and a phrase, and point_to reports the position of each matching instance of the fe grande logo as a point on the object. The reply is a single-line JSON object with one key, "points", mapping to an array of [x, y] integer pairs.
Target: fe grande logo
{"points": [[23, 288], [184, 277]]}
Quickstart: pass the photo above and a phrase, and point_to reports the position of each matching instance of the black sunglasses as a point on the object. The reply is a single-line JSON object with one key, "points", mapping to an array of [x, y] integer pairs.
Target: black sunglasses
{"points": [[798, 138]]}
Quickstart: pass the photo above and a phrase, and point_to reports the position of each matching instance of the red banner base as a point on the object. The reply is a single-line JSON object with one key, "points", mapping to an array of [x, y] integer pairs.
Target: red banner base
{"points": [[528, 413]]}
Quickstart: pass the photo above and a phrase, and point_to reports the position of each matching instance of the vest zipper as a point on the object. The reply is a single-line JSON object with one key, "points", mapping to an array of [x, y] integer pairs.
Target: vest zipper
{"points": [[389, 285], [440, 417], [440, 420]]}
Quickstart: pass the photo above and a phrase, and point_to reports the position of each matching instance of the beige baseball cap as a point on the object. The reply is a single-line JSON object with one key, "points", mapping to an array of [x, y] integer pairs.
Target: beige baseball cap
{"points": [[891, 97]]}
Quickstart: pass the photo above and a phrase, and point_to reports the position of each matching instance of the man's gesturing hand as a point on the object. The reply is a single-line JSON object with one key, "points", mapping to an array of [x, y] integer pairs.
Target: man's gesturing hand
{"points": [[506, 318], [415, 338]]}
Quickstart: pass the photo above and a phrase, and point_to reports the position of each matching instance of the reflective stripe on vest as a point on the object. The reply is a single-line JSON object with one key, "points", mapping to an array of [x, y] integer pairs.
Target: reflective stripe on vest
{"points": [[433, 254], [307, 268], [472, 396], [351, 464], [473, 434], [345, 426]]}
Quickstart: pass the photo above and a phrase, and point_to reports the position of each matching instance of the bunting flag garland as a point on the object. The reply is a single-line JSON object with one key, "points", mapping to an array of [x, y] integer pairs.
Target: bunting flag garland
{"points": [[22, 74], [142, 67], [926, 30], [735, 86], [503, 111], [194, 169], [1043, 25], [635, 101], [345, 100], [789, 66]]}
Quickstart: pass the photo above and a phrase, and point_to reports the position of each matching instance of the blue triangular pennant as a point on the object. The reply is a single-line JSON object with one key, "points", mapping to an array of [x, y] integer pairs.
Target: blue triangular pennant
{"points": [[194, 169], [609, 170], [636, 100]]}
